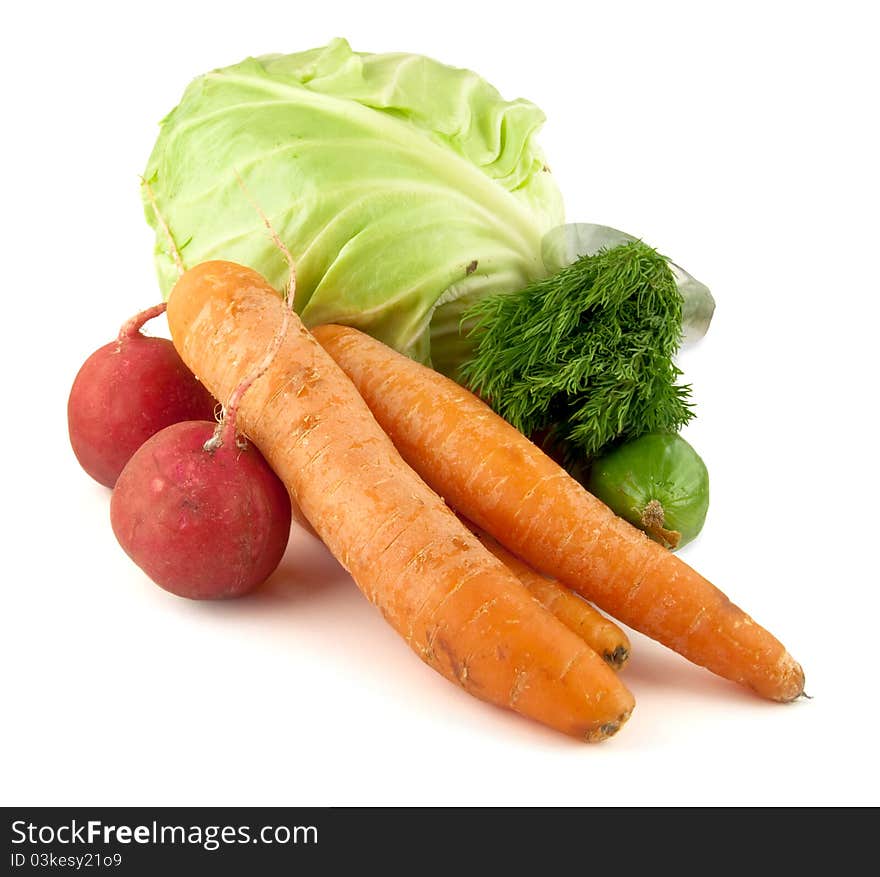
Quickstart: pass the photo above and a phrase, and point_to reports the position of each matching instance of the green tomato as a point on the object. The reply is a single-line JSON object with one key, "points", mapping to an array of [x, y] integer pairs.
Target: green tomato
{"points": [[657, 482]]}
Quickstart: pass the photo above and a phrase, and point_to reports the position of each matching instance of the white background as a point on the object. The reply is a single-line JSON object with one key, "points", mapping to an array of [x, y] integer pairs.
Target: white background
{"points": [[740, 142]]}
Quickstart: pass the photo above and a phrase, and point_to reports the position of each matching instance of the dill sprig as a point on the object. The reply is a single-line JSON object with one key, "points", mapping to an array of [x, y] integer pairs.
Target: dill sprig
{"points": [[585, 357]]}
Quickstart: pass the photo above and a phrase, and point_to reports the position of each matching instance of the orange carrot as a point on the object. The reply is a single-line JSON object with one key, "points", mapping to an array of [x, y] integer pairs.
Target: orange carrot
{"points": [[456, 606], [598, 632], [488, 471]]}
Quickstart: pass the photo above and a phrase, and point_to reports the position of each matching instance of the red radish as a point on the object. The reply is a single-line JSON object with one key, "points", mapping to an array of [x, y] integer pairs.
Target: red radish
{"points": [[197, 507], [200, 511], [125, 392]]}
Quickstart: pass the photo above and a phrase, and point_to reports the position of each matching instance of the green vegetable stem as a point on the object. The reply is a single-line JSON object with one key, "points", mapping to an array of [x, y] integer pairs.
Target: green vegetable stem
{"points": [[657, 482]]}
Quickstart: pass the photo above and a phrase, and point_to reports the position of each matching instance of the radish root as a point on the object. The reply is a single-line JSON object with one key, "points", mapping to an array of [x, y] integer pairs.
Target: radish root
{"points": [[290, 296], [225, 432], [131, 327]]}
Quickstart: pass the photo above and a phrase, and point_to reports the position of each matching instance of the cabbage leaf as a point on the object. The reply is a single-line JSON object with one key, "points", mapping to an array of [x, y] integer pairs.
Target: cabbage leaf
{"points": [[405, 189]]}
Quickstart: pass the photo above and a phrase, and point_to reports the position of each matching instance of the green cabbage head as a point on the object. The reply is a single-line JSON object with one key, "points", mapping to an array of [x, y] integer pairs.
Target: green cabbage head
{"points": [[404, 189]]}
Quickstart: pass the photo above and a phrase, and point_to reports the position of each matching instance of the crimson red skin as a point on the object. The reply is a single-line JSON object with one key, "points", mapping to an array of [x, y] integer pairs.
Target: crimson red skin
{"points": [[201, 524], [125, 392]]}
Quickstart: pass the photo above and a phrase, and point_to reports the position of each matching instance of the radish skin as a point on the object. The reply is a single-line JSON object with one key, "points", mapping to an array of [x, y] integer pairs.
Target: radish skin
{"points": [[127, 391], [202, 523]]}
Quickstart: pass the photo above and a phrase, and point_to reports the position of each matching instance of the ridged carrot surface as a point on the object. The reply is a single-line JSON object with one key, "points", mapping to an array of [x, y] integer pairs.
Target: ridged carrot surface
{"points": [[456, 605], [598, 632], [493, 475]]}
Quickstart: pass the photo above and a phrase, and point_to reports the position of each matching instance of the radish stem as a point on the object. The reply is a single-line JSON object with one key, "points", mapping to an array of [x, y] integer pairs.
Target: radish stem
{"points": [[131, 327]]}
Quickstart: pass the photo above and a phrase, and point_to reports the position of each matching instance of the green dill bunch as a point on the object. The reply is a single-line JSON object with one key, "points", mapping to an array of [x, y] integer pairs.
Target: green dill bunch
{"points": [[586, 355]]}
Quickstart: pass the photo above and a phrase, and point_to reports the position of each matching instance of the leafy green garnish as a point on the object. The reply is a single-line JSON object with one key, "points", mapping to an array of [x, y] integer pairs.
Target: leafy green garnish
{"points": [[586, 355]]}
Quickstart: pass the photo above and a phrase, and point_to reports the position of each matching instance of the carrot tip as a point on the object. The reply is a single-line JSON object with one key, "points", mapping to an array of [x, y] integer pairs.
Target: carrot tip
{"points": [[609, 729], [617, 658], [794, 687]]}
